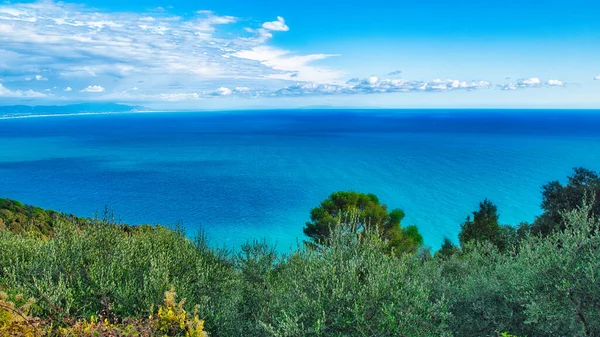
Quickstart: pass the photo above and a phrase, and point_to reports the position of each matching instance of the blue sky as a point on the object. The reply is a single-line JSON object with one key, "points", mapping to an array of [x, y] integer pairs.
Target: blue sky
{"points": [[252, 54]]}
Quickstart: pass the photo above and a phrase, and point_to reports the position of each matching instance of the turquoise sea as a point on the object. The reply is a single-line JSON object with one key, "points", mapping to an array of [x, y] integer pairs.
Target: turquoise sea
{"points": [[257, 174]]}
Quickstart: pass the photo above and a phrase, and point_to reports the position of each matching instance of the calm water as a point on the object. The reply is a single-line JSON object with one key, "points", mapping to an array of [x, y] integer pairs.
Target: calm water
{"points": [[250, 175]]}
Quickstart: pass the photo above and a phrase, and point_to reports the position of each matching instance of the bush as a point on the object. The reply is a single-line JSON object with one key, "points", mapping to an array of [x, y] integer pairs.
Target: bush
{"points": [[15, 319], [171, 319], [558, 198], [102, 270], [559, 277], [351, 288], [478, 287]]}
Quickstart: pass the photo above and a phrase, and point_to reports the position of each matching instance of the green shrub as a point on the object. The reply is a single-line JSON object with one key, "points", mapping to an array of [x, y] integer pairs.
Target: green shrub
{"points": [[84, 272], [559, 277], [351, 288]]}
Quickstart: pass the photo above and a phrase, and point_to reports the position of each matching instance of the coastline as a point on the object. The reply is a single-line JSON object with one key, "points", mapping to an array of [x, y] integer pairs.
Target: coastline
{"points": [[17, 116]]}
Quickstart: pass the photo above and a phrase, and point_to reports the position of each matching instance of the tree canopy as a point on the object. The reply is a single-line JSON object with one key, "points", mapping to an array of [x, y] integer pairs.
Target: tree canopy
{"points": [[357, 212], [558, 198], [447, 249], [483, 227]]}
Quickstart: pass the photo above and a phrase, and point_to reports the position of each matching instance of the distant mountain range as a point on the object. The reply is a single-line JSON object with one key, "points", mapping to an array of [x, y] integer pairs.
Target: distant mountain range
{"points": [[68, 109]]}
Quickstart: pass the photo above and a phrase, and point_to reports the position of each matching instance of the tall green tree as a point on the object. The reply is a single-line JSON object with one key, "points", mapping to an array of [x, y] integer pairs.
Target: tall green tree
{"points": [[357, 212], [483, 227], [558, 198], [447, 249]]}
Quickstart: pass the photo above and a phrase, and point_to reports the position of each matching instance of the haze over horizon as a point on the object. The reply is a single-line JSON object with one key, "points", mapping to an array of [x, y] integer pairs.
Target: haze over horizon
{"points": [[240, 55]]}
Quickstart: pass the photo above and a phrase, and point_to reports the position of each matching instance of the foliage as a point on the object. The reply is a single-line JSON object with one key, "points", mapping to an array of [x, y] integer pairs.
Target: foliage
{"points": [[19, 218], [339, 207], [102, 270], [256, 263], [476, 284], [559, 283], [447, 249], [357, 212], [171, 319], [557, 198], [15, 319], [351, 288], [483, 227]]}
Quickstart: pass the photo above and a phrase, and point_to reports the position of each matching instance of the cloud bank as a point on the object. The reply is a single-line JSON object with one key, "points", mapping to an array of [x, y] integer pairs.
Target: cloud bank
{"points": [[533, 82], [368, 85]]}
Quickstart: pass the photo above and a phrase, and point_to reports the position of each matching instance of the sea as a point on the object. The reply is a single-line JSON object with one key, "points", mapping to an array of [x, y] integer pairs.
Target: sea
{"points": [[238, 176]]}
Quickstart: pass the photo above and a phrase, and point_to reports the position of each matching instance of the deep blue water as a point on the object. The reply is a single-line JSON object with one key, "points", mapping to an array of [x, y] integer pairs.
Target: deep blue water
{"points": [[247, 175]]}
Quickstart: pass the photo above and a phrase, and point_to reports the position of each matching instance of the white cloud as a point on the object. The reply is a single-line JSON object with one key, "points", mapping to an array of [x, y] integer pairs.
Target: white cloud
{"points": [[375, 85], [264, 33], [290, 67], [224, 91], [355, 86], [533, 82], [179, 96], [5, 92], [245, 92], [373, 80], [597, 78], [40, 78], [555, 83], [93, 88], [278, 25], [68, 89], [238, 91], [508, 87]]}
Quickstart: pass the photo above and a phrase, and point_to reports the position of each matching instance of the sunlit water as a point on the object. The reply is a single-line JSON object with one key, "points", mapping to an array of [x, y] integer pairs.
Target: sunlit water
{"points": [[247, 175]]}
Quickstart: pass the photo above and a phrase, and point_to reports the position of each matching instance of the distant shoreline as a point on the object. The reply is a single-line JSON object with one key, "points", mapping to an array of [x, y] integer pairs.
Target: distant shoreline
{"points": [[22, 116]]}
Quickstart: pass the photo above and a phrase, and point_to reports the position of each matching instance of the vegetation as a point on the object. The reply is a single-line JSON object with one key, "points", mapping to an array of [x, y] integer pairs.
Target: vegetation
{"points": [[484, 227], [356, 213], [171, 319], [582, 185], [19, 218], [98, 279], [447, 249]]}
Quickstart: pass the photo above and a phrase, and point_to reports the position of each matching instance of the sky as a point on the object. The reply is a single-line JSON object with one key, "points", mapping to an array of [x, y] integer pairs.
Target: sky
{"points": [[231, 54]]}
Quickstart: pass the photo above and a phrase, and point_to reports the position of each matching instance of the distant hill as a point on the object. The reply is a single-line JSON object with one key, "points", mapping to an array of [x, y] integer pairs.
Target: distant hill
{"points": [[68, 109], [19, 218]]}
